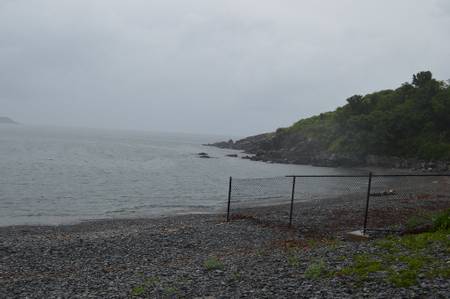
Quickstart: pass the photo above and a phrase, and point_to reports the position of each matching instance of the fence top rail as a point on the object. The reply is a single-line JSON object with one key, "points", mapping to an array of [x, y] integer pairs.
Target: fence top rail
{"points": [[367, 175], [412, 175], [329, 176]]}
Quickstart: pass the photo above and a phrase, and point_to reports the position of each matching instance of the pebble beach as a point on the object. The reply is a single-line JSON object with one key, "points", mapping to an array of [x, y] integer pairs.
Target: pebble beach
{"points": [[255, 255]]}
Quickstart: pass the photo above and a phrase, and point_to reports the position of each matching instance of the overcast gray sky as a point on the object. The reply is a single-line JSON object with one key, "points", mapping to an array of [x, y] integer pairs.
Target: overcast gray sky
{"points": [[226, 67]]}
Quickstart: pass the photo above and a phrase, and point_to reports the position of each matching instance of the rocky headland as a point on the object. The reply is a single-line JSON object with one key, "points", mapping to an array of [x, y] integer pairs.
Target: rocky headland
{"points": [[298, 149], [408, 128]]}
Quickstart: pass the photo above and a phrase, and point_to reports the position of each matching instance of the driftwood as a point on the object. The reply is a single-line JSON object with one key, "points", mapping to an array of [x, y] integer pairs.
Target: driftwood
{"points": [[384, 193]]}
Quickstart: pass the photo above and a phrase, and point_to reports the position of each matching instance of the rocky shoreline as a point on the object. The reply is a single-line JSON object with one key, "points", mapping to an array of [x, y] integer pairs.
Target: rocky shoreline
{"points": [[201, 256], [298, 149]]}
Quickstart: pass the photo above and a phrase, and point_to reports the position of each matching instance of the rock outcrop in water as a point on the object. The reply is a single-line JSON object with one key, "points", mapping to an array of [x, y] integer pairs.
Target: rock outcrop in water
{"points": [[203, 155]]}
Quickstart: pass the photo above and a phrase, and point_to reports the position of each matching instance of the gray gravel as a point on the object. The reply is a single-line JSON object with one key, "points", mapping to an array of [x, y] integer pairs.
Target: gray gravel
{"points": [[164, 258]]}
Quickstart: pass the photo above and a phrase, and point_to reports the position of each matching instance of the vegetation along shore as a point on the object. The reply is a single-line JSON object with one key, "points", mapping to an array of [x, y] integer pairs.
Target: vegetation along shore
{"points": [[408, 127]]}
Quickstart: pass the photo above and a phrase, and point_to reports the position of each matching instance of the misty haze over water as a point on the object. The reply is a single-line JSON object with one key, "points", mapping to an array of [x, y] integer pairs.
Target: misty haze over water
{"points": [[63, 175], [219, 67]]}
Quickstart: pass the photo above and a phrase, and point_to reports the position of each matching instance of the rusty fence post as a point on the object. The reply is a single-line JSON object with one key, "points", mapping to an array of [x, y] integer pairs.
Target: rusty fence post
{"points": [[229, 199], [292, 201], [367, 203]]}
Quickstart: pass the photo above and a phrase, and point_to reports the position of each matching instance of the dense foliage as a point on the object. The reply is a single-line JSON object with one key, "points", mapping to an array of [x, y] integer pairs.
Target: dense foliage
{"points": [[410, 121]]}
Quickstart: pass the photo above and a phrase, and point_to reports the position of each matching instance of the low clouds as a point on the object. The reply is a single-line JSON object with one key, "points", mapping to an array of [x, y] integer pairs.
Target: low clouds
{"points": [[228, 67]]}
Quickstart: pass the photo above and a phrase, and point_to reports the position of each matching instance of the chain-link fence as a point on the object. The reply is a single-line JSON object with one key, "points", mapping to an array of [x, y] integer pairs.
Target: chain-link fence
{"points": [[396, 199], [314, 202]]}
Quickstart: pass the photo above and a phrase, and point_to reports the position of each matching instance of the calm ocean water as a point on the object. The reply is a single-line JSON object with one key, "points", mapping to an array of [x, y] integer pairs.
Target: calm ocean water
{"points": [[60, 175]]}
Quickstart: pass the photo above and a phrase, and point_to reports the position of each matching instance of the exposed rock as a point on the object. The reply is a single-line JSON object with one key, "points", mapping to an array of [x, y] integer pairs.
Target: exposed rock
{"points": [[232, 155], [224, 144], [295, 148]]}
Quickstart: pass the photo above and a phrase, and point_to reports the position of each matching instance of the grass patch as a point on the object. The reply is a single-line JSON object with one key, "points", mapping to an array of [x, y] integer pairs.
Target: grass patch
{"points": [[292, 257], [293, 261], [236, 276], [362, 267], [316, 270], [213, 263], [170, 291], [442, 271], [424, 240], [149, 282], [259, 252], [333, 243], [441, 221], [415, 242], [403, 278], [388, 244], [313, 243], [418, 221], [153, 283], [138, 290], [401, 260]]}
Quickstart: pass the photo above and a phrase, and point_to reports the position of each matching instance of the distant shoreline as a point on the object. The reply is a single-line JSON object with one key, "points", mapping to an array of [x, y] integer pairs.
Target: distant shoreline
{"points": [[7, 121]]}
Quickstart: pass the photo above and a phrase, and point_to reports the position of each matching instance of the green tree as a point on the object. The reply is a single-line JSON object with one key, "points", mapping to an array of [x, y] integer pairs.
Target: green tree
{"points": [[410, 121], [422, 78]]}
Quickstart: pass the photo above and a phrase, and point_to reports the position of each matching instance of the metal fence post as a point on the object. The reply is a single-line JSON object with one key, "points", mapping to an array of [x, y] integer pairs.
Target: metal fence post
{"points": [[229, 199], [367, 203], [292, 200]]}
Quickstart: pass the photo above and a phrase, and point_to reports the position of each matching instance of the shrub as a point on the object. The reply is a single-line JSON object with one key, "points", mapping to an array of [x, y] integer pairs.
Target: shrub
{"points": [[442, 221]]}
